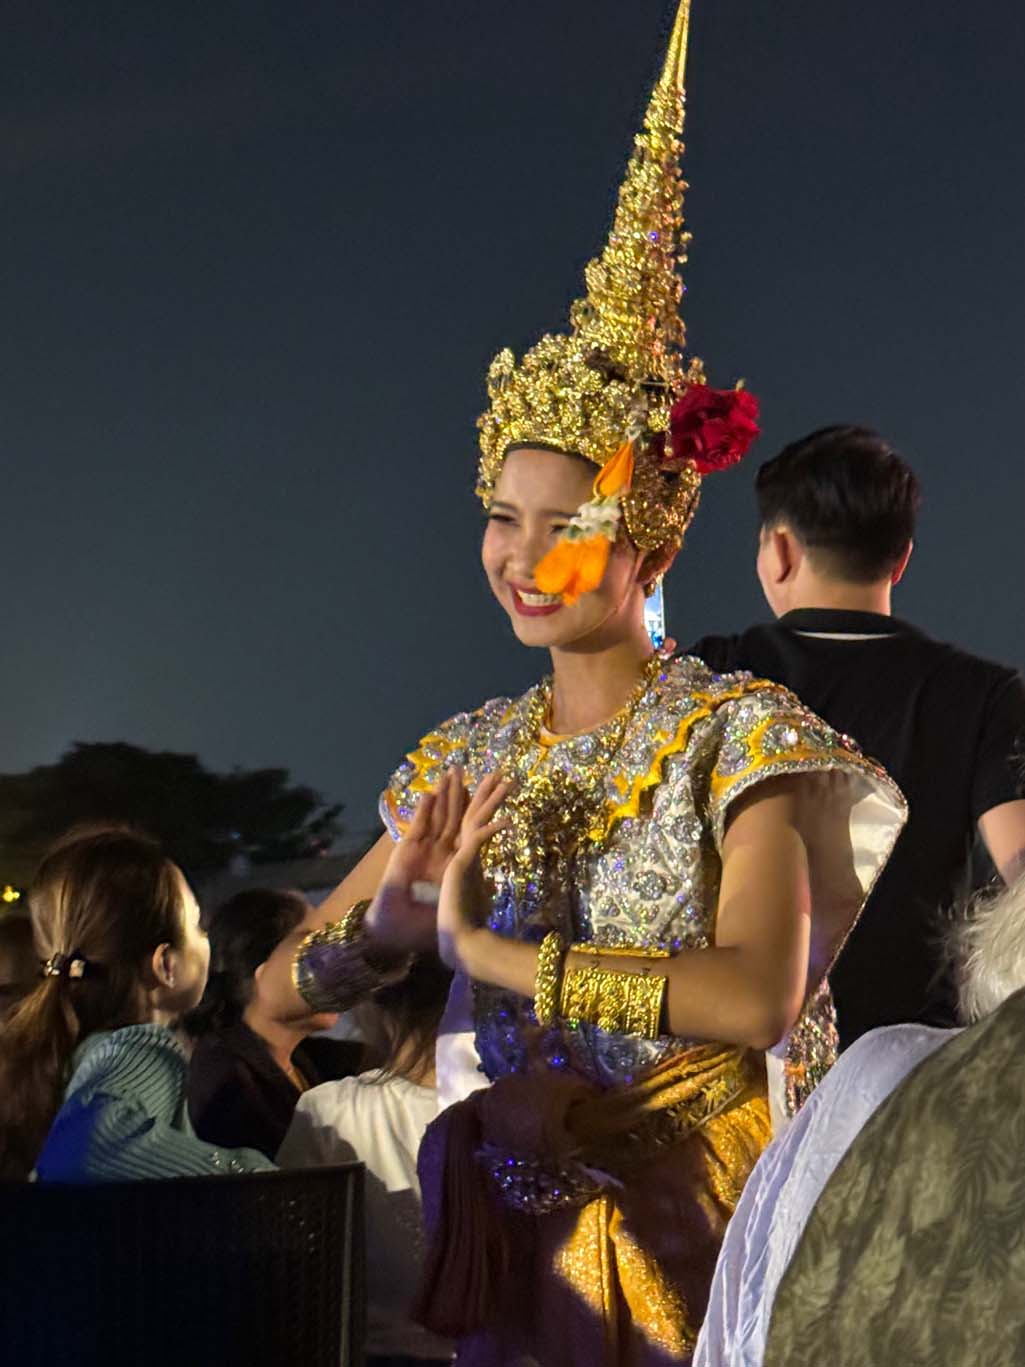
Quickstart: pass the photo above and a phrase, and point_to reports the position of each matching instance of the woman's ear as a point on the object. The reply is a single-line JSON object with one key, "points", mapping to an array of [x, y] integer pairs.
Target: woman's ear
{"points": [[160, 967], [653, 564]]}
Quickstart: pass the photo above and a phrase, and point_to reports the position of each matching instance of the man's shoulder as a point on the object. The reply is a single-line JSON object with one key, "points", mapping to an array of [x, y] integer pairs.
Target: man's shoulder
{"points": [[975, 681], [726, 654], [768, 646], [967, 662]]}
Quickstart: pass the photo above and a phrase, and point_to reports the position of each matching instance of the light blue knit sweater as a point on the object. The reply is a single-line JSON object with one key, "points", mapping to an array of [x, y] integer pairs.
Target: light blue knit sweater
{"points": [[125, 1118]]}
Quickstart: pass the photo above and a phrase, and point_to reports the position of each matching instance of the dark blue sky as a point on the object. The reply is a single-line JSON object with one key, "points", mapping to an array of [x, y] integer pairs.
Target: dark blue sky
{"points": [[256, 260]]}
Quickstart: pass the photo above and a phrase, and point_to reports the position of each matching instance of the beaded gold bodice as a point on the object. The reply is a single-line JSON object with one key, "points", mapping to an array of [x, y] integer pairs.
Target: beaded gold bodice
{"points": [[645, 869]]}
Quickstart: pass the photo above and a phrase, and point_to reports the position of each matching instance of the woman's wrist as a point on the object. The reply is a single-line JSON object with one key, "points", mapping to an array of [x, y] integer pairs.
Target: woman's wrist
{"points": [[380, 950], [470, 946], [490, 958], [398, 922]]}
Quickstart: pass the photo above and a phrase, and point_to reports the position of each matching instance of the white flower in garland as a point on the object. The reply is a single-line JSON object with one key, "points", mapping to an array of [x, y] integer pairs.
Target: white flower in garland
{"points": [[598, 517]]}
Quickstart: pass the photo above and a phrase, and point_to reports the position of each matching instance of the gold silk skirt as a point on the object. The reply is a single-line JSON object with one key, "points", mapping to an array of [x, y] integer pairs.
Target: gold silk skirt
{"points": [[571, 1227]]}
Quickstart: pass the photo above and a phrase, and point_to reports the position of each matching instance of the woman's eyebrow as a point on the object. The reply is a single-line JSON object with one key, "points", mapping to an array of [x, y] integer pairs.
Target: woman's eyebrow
{"points": [[545, 512]]}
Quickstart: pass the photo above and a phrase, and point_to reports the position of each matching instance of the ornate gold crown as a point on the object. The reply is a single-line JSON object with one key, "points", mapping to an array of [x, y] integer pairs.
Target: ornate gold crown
{"points": [[621, 366]]}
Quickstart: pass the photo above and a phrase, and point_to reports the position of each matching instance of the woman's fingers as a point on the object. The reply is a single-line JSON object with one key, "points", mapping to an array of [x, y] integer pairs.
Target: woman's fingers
{"points": [[456, 806], [491, 793], [485, 791], [485, 832], [479, 823], [475, 837], [447, 816], [443, 803], [419, 828]]}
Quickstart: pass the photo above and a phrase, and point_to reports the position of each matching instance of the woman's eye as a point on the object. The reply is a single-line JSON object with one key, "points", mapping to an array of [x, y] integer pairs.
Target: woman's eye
{"points": [[500, 517]]}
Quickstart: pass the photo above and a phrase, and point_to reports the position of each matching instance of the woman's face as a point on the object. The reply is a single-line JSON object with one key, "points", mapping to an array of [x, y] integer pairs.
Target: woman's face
{"points": [[536, 495], [192, 957]]}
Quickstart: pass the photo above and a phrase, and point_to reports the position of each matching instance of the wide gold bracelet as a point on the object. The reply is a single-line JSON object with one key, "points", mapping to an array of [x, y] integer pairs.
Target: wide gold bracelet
{"points": [[350, 924], [621, 1003], [548, 979], [330, 969], [620, 952]]}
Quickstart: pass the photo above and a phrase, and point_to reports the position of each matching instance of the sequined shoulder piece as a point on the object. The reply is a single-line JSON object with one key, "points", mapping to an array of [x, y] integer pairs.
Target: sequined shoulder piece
{"points": [[467, 740], [683, 695], [774, 734]]}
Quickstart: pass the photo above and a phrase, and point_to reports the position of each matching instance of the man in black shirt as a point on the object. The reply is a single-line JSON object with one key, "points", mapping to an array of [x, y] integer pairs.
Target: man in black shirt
{"points": [[837, 513]]}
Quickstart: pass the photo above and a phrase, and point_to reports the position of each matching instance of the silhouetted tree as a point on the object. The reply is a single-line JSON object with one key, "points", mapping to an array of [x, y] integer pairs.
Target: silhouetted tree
{"points": [[201, 817]]}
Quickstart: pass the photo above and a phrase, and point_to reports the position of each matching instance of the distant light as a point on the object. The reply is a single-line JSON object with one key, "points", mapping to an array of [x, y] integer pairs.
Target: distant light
{"points": [[10, 894]]}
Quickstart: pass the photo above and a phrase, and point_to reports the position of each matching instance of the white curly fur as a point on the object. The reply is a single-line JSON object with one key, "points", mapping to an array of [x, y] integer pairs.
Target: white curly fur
{"points": [[991, 950]]}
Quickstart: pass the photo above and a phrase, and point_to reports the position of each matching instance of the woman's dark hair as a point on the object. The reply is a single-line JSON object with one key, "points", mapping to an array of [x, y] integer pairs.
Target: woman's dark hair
{"points": [[412, 1010], [107, 898], [19, 967], [244, 932], [847, 496]]}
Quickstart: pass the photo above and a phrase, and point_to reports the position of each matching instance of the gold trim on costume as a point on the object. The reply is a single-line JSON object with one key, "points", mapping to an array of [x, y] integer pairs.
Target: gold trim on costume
{"points": [[551, 956], [626, 1003]]}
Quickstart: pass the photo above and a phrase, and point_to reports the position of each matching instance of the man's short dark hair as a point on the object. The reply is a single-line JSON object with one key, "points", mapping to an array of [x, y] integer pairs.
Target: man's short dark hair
{"points": [[847, 496]]}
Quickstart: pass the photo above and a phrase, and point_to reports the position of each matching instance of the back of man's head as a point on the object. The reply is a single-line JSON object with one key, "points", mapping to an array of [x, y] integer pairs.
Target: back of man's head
{"points": [[847, 497]]}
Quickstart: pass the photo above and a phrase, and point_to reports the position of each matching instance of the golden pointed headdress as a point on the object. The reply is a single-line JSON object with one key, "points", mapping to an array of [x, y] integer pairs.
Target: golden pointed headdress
{"points": [[617, 372]]}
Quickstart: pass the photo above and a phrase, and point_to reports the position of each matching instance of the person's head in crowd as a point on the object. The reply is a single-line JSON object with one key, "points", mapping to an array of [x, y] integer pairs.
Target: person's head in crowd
{"points": [[400, 1023], [125, 948], [837, 521], [244, 932], [19, 966], [989, 949]]}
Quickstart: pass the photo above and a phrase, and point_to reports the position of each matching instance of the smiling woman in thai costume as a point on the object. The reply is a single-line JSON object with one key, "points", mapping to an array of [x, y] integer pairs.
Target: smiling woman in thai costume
{"points": [[670, 872]]}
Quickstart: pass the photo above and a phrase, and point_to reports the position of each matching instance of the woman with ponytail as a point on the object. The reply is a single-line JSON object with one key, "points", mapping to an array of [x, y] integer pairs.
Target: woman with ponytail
{"points": [[252, 1061], [92, 1076]]}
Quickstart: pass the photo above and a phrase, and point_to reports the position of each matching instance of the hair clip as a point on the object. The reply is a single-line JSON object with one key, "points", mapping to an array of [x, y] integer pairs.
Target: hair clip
{"points": [[71, 965]]}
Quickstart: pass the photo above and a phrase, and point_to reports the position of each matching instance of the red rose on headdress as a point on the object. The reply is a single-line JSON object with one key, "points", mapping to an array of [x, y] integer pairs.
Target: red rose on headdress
{"points": [[711, 427]]}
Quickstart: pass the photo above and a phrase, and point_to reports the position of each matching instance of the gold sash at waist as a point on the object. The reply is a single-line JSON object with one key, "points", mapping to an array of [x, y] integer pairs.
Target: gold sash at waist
{"points": [[623, 1127], [549, 1140], [539, 1144]]}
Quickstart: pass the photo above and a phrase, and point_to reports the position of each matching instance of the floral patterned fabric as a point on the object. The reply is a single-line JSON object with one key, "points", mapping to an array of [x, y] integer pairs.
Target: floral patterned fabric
{"points": [[915, 1251], [779, 1196]]}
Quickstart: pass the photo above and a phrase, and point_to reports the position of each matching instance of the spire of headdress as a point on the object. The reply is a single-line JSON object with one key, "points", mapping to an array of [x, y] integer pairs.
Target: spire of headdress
{"points": [[676, 53], [631, 309], [615, 376]]}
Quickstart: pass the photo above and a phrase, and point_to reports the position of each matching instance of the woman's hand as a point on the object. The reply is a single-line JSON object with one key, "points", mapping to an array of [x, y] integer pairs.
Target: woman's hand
{"points": [[401, 916], [461, 906]]}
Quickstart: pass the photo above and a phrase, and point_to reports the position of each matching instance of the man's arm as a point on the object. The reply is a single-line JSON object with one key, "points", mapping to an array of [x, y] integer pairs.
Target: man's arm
{"points": [[1003, 832], [998, 797]]}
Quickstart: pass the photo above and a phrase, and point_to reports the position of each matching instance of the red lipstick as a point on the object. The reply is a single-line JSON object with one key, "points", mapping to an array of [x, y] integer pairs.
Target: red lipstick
{"points": [[524, 609]]}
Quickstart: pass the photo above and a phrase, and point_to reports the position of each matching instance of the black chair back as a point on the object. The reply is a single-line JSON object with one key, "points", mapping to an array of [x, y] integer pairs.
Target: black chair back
{"points": [[258, 1270]]}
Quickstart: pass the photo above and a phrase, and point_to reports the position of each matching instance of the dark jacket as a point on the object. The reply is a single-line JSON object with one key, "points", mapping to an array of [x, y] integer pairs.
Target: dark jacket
{"points": [[239, 1097], [949, 727]]}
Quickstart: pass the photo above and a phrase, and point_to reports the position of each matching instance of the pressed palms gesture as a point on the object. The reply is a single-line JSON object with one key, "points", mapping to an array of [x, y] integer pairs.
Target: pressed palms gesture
{"points": [[461, 904], [402, 914]]}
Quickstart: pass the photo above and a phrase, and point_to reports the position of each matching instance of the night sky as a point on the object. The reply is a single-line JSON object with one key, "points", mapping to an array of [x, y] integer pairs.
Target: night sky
{"points": [[257, 257]]}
